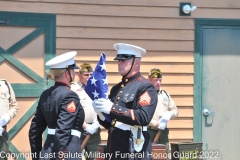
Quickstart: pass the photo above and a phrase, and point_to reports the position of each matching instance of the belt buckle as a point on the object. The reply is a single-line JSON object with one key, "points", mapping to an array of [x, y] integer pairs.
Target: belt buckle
{"points": [[113, 122]]}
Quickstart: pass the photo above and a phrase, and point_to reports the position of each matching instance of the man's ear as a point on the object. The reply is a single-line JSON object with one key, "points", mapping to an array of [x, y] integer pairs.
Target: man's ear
{"points": [[67, 74]]}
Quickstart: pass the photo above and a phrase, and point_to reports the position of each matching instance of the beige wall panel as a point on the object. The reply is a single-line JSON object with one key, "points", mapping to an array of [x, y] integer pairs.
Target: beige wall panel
{"points": [[183, 100], [124, 22], [151, 56], [179, 123], [106, 44], [185, 112], [180, 134], [160, 56], [167, 3], [10, 72], [104, 134], [125, 10], [123, 33], [84, 9], [216, 13]]}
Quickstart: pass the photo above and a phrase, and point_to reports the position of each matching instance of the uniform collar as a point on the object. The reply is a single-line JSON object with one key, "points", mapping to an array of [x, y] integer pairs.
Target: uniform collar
{"points": [[159, 91], [80, 84], [61, 84], [126, 80]]}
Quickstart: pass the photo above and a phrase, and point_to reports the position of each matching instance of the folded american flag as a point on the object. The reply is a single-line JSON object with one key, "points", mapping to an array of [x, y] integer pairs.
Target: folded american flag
{"points": [[97, 84]]}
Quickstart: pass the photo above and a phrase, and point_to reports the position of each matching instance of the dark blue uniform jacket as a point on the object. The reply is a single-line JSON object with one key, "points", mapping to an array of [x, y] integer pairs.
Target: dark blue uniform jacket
{"points": [[58, 108], [135, 100]]}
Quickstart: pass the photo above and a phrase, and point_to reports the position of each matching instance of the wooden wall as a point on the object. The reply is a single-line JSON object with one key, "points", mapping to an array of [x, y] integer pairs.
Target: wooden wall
{"points": [[93, 26]]}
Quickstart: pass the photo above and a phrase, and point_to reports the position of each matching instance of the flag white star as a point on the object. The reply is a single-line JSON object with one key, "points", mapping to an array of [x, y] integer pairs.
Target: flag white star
{"points": [[103, 66], [93, 80], [105, 81], [95, 94], [106, 95]]}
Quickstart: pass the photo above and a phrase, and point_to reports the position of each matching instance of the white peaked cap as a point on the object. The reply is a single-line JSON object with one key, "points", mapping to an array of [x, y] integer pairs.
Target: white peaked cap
{"points": [[65, 60], [129, 49]]}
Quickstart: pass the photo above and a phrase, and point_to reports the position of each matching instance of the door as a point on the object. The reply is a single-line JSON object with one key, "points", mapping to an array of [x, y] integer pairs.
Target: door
{"points": [[217, 88], [27, 41]]}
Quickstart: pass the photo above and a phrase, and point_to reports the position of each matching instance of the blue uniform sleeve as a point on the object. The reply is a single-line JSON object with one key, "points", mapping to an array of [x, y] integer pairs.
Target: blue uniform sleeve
{"points": [[37, 127]]}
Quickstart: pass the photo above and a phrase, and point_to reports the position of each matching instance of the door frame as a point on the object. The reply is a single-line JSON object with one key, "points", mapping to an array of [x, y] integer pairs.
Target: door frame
{"points": [[45, 24], [200, 24]]}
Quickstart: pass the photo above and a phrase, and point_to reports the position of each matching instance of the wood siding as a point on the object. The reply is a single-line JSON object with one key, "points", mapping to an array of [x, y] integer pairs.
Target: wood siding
{"points": [[93, 26]]}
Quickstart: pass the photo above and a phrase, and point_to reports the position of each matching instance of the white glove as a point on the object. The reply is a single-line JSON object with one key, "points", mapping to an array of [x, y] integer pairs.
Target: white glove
{"points": [[96, 124], [102, 105], [92, 128], [4, 119], [166, 116], [101, 116], [164, 120], [1, 131], [162, 124]]}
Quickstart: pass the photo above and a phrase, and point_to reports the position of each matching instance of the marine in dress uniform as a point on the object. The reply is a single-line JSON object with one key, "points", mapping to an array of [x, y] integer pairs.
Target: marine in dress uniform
{"points": [[166, 109], [59, 110], [91, 124], [8, 110], [131, 106]]}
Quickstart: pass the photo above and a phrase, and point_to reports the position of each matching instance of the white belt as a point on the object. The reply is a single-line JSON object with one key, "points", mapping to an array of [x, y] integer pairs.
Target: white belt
{"points": [[73, 132], [127, 127]]}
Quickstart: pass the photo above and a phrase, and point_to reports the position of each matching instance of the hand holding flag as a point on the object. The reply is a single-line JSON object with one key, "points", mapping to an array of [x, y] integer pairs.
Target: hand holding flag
{"points": [[97, 84]]}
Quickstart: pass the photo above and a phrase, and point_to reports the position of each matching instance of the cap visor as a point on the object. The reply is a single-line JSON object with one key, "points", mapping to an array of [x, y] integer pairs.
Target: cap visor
{"points": [[76, 67], [73, 67], [120, 57]]}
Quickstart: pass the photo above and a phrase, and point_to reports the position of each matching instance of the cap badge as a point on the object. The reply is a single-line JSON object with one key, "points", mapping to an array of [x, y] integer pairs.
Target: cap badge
{"points": [[117, 47]]}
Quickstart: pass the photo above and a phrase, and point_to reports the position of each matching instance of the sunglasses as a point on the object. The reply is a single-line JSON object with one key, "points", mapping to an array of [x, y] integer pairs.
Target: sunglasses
{"points": [[87, 75]]}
